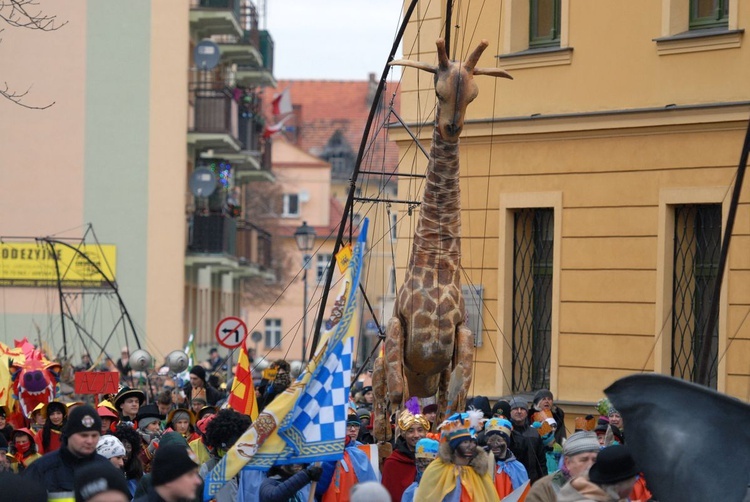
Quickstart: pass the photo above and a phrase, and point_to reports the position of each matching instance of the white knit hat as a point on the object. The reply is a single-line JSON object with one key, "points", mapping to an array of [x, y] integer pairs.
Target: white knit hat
{"points": [[109, 446]]}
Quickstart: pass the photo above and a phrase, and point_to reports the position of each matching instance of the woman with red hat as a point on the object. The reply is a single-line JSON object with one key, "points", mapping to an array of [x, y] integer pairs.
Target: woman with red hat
{"points": [[109, 419], [23, 450]]}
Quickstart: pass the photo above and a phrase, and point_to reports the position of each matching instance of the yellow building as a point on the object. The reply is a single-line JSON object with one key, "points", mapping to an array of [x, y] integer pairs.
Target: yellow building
{"points": [[595, 189]]}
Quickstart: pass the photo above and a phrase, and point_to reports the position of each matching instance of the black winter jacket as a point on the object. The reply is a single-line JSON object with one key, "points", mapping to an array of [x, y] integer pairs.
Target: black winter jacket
{"points": [[54, 471]]}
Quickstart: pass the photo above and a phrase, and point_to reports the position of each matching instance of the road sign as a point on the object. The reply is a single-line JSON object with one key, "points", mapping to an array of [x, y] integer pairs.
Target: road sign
{"points": [[231, 332]]}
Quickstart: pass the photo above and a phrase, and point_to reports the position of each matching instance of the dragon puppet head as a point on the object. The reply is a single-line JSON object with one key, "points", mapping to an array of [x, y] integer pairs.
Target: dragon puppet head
{"points": [[34, 377]]}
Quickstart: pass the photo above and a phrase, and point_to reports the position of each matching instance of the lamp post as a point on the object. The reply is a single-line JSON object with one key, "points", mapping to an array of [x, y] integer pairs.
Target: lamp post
{"points": [[305, 236]]}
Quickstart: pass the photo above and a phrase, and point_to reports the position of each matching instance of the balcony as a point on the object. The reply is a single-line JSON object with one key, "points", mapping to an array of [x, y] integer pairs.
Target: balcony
{"points": [[214, 122], [230, 244], [260, 72], [215, 17], [243, 49]]}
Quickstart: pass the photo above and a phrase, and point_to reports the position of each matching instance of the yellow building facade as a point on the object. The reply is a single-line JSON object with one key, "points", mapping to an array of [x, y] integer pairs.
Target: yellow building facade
{"points": [[596, 187]]}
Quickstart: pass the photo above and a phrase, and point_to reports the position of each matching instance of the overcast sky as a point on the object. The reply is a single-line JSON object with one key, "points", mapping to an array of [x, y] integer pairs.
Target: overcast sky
{"points": [[332, 39]]}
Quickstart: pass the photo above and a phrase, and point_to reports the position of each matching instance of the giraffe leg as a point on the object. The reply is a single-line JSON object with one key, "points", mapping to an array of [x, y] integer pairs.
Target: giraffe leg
{"points": [[463, 364], [394, 362], [381, 428], [442, 402]]}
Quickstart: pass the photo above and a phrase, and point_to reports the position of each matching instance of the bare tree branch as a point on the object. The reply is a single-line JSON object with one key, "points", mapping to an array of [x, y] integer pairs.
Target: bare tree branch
{"points": [[16, 97], [17, 14]]}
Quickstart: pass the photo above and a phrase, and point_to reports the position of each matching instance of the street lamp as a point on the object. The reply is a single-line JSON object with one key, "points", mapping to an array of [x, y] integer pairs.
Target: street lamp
{"points": [[305, 237]]}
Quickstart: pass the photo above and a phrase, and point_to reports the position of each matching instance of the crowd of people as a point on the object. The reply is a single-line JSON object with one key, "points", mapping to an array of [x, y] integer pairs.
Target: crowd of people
{"points": [[158, 442]]}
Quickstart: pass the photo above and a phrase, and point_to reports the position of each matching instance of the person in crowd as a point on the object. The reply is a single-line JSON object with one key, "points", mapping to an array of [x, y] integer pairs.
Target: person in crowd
{"points": [[133, 466], [37, 419], [86, 363], [579, 454], [430, 413], [164, 403], [525, 442], [481, 403], [123, 364], [197, 404], [23, 451], [610, 479], [353, 425], [197, 387], [425, 452], [174, 475], [81, 434], [183, 421], [544, 401], [109, 416], [365, 430], [150, 430], [199, 445], [128, 401], [4, 465], [222, 431], [113, 450], [501, 408], [289, 482], [145, 484], [353, 468], [509, 473], [215, 361], [461, 471], [367, 397], [5, 427], [49, 437], [100, 483], [615, 419], [204, 412], [400, 469], [547, 426], [281, 380]]}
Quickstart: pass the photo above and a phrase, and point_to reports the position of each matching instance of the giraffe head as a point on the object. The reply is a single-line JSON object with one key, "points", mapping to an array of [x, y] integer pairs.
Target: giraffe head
{"points": [[454, 86]]}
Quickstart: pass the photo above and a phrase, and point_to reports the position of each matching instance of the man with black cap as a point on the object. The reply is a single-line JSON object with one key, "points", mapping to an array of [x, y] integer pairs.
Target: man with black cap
{"points": [[198, 387], [128, 402], [99, 482], [174, 475], [610, 479], [525, 442], [80, 436], [544, 401]]}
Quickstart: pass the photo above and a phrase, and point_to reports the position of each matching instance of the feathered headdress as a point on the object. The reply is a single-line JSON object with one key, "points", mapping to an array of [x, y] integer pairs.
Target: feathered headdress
{"points": [[461, 426]]}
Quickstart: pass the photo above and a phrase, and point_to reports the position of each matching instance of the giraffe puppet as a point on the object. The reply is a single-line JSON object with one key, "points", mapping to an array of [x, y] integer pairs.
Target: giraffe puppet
{"points": [[428, 349]]}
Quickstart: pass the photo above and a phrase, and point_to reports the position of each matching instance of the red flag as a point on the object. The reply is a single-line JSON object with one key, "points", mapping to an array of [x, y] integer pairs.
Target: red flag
{"points": [[282, 103], [269, 131], [242, 397]]}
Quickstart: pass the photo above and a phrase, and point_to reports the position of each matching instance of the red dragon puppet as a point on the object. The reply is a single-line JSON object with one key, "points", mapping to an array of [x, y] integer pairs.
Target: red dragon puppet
{"points": [[33, 380]]}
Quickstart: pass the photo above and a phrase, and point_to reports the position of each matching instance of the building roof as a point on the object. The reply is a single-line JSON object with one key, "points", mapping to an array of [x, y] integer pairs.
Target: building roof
{"points": [[323, 107], [285, 154]]}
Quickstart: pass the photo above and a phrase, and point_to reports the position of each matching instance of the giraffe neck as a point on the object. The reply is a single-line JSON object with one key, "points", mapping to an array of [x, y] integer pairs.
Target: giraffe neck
{"points": [[438, 234]]}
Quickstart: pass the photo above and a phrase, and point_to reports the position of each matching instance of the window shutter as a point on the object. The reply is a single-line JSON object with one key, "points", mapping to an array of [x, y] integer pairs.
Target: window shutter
{"points": [[474, 299]]}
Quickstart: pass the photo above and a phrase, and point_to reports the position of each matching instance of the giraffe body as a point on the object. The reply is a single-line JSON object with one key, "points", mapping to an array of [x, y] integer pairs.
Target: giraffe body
{"points": [[428, 348]]}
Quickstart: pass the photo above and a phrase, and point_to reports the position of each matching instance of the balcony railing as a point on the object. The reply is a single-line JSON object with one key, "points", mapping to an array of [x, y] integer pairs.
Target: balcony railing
{"points": [[231, 237], [231, 5], [215, 112]]}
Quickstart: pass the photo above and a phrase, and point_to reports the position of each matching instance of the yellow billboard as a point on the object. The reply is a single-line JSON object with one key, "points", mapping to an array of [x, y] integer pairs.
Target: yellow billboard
{"points": [[39, 264]]}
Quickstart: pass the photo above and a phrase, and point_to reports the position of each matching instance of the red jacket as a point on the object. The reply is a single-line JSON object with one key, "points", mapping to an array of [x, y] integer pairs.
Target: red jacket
{"points": [[399, 471]]}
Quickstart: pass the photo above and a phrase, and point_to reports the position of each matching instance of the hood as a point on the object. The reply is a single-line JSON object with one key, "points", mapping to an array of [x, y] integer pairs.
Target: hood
{"points": [[482, 463]]}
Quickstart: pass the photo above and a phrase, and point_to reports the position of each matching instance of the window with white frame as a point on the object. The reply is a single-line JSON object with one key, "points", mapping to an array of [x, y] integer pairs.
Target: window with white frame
{"points": [[321, 266], [291, 205], [273, 334]]}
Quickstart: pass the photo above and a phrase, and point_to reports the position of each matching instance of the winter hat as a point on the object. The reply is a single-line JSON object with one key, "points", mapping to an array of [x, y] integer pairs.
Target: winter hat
{"points": [[483, 404], [502, 407], [83, 419], [426, 448], [172, 461], [172, 437], [517, 402], [363, 413], [199, 371], [580, 442], [146, 421], [99, 477], [430, 408], [541, 394], [180, 414], [613, 464], [370, 491], [461, 426], [17, 487], [353, 419], [109, 446], [498, 425], [366, 389]]}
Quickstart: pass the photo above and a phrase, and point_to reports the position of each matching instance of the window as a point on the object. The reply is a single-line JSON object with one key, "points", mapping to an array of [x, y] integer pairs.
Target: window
{"points": [[273, 334], [697, 245], [532, 298], [291, 205], [321, 268], [544, 23], [709, 14], [474, 301], [394, 221]]}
